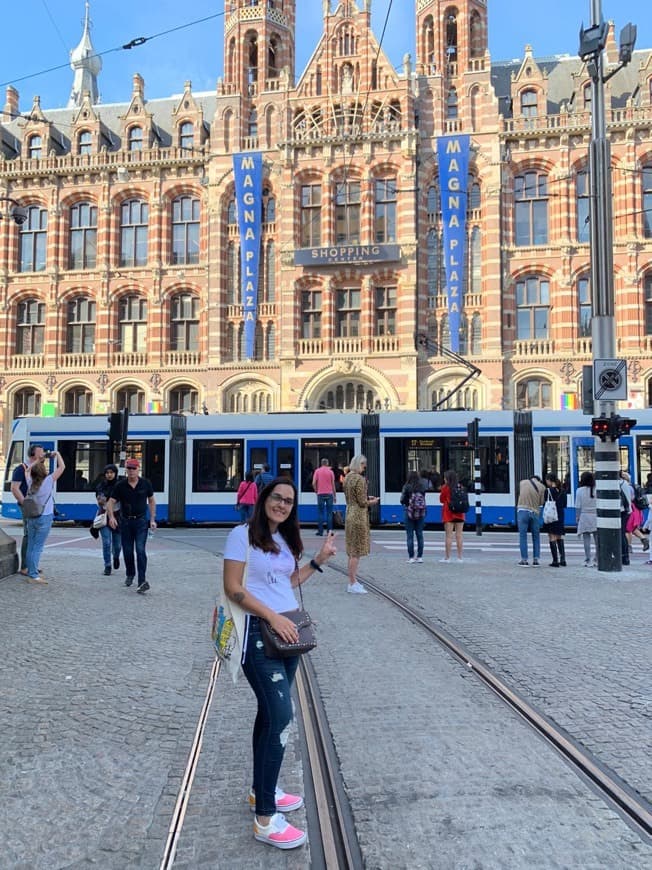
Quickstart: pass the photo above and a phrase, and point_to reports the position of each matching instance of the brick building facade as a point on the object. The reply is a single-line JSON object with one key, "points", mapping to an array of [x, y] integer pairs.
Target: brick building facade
{"points": [[123, 285]]}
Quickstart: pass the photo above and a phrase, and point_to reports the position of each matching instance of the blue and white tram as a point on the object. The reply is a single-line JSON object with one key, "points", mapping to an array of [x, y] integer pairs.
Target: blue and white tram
{"points": [[196, 463]]}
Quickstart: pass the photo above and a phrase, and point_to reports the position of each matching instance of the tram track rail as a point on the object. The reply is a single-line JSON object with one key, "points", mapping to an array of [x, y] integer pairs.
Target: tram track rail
{"points": [[633, 808]]}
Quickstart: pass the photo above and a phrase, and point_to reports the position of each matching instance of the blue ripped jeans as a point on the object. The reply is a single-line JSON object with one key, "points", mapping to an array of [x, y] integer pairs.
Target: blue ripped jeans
{"points": [[271, 680]]}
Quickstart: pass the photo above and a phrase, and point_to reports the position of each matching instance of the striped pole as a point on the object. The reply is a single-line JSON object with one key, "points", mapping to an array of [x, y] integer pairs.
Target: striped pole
{"points": [[607, 490], [478, 490]]}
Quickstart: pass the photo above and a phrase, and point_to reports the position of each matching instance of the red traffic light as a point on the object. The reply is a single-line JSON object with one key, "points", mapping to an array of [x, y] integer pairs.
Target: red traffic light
{"points": [[600, 427], [626, 425]]}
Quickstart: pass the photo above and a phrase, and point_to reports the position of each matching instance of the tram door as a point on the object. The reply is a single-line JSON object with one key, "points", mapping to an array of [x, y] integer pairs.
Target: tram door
{"points": [[281, 456]]}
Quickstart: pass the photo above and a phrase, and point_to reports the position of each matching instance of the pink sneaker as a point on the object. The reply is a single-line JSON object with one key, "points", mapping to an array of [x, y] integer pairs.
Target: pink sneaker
{"points": [[279, 833], [285, 803]]}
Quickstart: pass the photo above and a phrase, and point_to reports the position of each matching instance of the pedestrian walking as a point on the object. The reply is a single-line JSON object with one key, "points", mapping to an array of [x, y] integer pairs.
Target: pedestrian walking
{"points": [[413, 499], [20, 481], [356, 523], [246, 497], [452, 516], [111, 538], [531, 493], [134, 494], [634, 516], [264, 477], [586, 517], [270, 547], [323, 483], [556, 529], [41, 489]]}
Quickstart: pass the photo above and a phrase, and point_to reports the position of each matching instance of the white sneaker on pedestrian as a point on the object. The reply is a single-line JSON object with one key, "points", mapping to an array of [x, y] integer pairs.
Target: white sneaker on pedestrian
{"points": [[444, 560], [419, 559], [410, 561], [460, 559], [356, 588], [279, 833]]}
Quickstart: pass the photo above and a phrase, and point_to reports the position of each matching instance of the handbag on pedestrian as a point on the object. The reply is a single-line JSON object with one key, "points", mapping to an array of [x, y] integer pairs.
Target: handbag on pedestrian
{"points": [[550, 514], [277, 648]]}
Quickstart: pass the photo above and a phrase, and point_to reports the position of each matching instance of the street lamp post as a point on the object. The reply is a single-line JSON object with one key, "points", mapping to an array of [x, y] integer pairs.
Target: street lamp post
{"points": [[603, 327]]}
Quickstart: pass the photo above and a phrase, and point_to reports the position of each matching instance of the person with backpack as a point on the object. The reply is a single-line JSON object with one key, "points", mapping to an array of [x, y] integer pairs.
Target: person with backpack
{"points": [[20, 481], [39, 523], [455, 503], [413, 499]]}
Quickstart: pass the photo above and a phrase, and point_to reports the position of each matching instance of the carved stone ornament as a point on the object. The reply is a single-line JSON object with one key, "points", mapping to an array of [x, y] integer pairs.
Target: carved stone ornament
{"points": [[348, 366]]}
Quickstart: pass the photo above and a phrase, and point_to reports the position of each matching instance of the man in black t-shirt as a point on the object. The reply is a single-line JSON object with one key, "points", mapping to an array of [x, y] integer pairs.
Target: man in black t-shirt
{"points": [[135, 494]]}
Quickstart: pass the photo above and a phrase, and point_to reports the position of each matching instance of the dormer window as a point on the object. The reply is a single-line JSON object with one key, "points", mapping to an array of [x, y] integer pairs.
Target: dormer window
{"points": [[35, 147], [85, 142], [186, 135], [529, 104], [135, 139]]}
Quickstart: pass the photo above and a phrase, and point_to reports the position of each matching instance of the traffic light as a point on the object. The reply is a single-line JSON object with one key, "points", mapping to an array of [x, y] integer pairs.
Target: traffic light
{"points": [[611, 427], [115, 426], [472, 433]]}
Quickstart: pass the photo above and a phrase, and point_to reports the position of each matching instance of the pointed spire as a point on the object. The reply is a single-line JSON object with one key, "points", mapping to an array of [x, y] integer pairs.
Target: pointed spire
{"points": [[86, 65]]}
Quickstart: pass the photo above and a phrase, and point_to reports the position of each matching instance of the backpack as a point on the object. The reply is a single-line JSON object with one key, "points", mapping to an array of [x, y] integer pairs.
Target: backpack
{"points": [[416, 506], [459, 503], [640, 498], [30, 508]]}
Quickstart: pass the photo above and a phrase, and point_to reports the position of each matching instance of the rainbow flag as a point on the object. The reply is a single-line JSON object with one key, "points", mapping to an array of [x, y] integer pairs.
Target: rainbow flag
{"points": [[569, 402], [155, 407]]}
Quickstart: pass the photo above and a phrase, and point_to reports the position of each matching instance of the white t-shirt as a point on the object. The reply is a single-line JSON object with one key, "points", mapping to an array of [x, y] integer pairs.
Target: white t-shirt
{"points": [[268, 574]]}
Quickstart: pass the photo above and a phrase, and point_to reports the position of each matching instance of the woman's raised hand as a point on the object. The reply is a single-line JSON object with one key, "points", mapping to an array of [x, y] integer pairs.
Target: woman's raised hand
{"points": [[328, 549]]}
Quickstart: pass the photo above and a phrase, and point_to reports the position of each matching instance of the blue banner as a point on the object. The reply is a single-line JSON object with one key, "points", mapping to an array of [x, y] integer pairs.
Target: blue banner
{"points": [[453, 157], [248, 171]]}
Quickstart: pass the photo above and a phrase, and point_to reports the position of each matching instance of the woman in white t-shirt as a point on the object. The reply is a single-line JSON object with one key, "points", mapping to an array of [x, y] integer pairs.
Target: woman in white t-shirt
{"points": [[271, 544]]}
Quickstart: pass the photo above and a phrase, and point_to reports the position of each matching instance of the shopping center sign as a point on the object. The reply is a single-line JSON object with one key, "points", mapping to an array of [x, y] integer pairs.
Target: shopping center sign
{"points": [[337, 255]]}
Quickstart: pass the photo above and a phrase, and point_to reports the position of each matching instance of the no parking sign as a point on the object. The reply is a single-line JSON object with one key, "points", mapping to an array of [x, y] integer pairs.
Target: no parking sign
{"points": [[610, 380]]}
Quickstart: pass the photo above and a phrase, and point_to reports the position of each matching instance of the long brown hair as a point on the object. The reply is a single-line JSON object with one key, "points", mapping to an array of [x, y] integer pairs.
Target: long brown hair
{"points": [[260, 535], [38, 472]]}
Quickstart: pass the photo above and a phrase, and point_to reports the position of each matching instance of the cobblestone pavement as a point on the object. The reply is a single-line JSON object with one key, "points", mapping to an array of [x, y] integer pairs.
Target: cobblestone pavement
{"points": [[101, 691]]}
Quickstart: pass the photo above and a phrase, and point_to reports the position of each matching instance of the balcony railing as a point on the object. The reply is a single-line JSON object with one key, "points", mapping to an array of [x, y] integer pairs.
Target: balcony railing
{"points": [[385, 344], [311, 347], [135, 359], [584, 345], [532, 347], [176, 358], [78, 361], [25, 362], [343, 346]]}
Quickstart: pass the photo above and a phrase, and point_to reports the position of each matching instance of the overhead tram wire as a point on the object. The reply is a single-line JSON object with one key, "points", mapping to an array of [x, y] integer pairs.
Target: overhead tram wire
{"points": [[133, 43], [55, 25]]}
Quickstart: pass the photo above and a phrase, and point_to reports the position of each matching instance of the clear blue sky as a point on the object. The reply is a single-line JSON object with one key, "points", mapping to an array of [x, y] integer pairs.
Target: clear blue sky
{"points": [[38, 34]]}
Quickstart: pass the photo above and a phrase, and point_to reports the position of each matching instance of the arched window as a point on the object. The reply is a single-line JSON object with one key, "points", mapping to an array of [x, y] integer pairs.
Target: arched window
{"points": [[532, 307], [270, 350], [531, 208], [475, 261], [85, 142], [269, 210], [475, 198], [433, 244], [647, 201], [582, 205], [83, 236], [270, 272], [27, 401], [476, 34], [529, 104], [135, 139], [451, 104], [134, 218], [464, 335], [35, 147], [587, 96], [185, 230], [184, 322], [451, 35], [647, 290], [131, 397], [476, 335], [30, 326], [80, 332], [232, 274], [186, 135], [252, 125], [231, 213], [585, 310], [534, 393], [132, 323], [78, 400], [272, 57], [310, 215], [33, 240], [183, 398]]}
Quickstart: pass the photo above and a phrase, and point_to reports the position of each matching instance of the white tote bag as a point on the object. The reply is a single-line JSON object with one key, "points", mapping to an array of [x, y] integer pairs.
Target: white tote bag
{"points": [[228, 633], [549, 509]]}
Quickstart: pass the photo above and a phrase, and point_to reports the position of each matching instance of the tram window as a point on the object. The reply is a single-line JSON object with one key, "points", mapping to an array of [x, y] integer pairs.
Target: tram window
{"points": [[16, 456], [85, 461], [644, 451], [217, 466], [339, 453], [555, 459], [151, 455], [433, 456]]}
